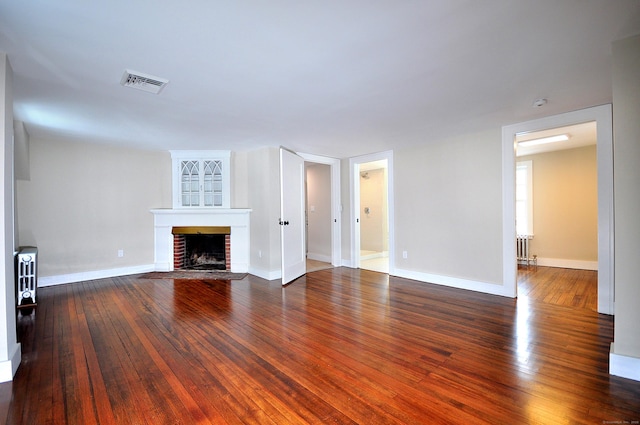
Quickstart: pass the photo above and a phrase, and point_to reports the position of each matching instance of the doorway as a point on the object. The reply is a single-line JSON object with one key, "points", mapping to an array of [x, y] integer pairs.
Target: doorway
{"points": [[374, 223], [557, 214], [292, 212], [557, 196], [601, 115], [372, 246], [318, 221], [322, 182]]}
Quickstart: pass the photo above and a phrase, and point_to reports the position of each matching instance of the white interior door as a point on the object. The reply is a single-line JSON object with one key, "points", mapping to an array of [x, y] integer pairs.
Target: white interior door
{"points": [[292, 220]]}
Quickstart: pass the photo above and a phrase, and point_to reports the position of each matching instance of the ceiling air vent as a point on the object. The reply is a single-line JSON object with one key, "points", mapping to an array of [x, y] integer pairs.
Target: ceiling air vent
{"points": [[144, 82]]}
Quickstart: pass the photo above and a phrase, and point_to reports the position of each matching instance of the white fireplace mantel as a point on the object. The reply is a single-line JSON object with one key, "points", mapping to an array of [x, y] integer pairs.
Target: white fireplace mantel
{"points": [[236, 218]]}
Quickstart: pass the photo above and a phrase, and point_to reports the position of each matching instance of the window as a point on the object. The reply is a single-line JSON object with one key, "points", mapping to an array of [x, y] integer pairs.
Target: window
{"points": [[524, 198]]}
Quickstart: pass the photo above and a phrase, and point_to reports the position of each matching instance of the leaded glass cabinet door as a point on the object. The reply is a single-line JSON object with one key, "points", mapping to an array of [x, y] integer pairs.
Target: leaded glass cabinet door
{"points": [[201, 179], [212, 186], [190, 183]]}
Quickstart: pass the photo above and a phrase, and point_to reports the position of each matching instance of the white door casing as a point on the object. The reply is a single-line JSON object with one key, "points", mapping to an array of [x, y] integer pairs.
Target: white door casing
{"points": [[602, 115]]}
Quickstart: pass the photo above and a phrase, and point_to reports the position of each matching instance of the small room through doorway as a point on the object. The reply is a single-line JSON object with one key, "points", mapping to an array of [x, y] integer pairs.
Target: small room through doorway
{"points": [[318, 216], [602, 116], [374, 216], [322, 207], [557, 213]]}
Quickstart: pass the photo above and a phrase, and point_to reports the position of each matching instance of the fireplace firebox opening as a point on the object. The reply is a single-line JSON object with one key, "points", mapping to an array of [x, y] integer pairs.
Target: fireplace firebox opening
{"points": [[201, 248]]}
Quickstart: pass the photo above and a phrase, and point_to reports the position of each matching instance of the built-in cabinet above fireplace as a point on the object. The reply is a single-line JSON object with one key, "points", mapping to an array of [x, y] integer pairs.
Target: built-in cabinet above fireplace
{"points": [[201, 179]]}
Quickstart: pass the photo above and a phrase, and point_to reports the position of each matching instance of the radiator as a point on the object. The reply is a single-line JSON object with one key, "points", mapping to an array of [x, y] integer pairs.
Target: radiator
{"points": [[523, 254], [26, 271]]}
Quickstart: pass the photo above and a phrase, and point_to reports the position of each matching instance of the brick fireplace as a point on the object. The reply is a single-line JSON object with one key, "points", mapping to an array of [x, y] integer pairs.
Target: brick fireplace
{"points": [[172, 226], [202, 248]]}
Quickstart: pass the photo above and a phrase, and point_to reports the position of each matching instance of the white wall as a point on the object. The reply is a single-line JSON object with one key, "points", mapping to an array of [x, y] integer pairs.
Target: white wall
{"points": [[448, 213], [21, 151], [318, 183], [625, 352], [374, 231], [565, 207], [9, 348], [345, 215], [263, 194], [85, 201], [239, 183]]}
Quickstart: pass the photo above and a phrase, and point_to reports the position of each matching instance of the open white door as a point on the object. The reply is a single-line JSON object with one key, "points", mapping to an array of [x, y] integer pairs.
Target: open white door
{"points": [[292, 224]]}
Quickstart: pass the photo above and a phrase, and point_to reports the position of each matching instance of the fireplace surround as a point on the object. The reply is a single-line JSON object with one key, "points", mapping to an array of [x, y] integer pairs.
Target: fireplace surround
{"points": [[233, 221]]}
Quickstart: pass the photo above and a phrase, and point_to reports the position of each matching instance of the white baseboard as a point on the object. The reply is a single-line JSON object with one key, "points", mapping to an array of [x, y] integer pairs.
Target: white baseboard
{"points": [[568, 264], [347, 263], [266, 274], [9, 367], [378, 254], [163, 267], [454, 282], [624, 366], [239, 267], [93, 275], [319, 257]]}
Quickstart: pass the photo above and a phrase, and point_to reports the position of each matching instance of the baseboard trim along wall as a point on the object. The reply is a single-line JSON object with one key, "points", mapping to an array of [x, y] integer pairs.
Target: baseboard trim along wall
{"points": [[319, 257], [624, 366], [92, 275], [568, 264], [8, 368], [266, 274], [454, 282]]}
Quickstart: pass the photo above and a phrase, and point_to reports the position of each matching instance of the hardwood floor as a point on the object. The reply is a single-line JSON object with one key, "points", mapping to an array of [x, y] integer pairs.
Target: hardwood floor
{"points": [[314, 265], [336, 346], [553, 285]]}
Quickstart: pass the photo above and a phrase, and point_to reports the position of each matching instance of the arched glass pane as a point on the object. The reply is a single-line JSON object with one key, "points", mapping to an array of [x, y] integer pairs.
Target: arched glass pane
{"points": [[213, 183], [190, 183]]}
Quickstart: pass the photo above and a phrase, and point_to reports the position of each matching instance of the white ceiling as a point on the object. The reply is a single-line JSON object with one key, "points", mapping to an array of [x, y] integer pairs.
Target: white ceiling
{"points": [[339, 78], [580, 135]]}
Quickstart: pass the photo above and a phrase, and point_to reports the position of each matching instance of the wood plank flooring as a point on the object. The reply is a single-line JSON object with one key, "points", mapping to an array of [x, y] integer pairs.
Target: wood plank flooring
{"points": [[554, 285], [315, 265], [337, 346]]}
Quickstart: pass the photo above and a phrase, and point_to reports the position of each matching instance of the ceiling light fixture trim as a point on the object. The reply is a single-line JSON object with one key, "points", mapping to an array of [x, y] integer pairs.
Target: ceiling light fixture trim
{"points": [[544, 140]]}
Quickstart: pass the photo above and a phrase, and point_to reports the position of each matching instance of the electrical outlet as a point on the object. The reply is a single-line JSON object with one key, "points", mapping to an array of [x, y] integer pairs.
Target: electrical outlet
{"points": [[120, 253], [259, 253], [405, 254]]}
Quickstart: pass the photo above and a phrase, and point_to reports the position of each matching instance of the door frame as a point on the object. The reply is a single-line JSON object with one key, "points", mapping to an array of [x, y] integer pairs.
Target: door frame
{"points": [[354, 184], [602, 115], [336, 206]]}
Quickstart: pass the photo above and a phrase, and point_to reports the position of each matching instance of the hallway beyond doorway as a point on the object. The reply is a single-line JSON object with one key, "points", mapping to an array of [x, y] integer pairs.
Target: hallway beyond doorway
{"points": [[374, 261]]}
